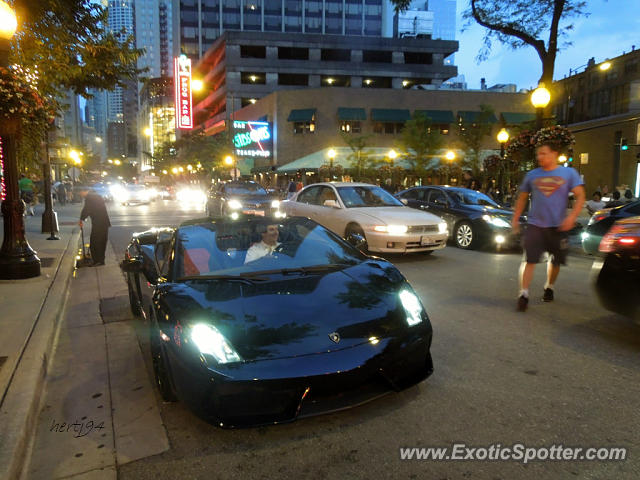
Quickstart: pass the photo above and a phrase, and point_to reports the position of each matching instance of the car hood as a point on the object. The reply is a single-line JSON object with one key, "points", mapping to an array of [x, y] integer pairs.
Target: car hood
{"points": [[259, 199], [294, 315], [489, 210], [399, 215]]}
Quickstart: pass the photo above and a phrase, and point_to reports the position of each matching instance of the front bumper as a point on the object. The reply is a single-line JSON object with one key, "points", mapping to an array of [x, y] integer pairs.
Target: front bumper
{"points": [[405, 242], [281, 390]]}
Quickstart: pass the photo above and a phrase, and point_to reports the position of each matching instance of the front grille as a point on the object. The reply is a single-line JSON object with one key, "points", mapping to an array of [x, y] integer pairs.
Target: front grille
{"points": [[423, 229]]}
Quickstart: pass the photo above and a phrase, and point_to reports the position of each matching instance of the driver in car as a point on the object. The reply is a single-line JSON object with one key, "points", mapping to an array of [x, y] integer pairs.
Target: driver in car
{"points": [[266, 246]]}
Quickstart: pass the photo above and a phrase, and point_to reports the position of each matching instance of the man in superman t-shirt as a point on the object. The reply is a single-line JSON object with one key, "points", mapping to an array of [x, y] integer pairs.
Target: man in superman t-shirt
{"points": [[548, 223]]}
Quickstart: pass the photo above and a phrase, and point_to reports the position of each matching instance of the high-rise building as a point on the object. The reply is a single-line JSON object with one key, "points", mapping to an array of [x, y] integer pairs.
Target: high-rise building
{"points": [[201, 22], [95, 116], [153, 30]]}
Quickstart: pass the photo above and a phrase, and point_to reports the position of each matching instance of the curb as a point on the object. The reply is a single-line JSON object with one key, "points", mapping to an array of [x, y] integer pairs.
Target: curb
{"points": [[20, 407]]}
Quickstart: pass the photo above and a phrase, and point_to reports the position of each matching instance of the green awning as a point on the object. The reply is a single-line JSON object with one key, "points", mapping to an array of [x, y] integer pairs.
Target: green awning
{"points": [[472, 117], [351, 114], [390, 115], [301, 115], [438, 116], [517, 118]]}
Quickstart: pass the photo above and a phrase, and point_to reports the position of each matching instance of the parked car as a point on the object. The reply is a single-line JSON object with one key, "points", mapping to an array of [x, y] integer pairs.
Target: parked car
{"points": [[473, 218], [240, 197], [370, 211], [313, 327], [617, 276], [600, 223]]}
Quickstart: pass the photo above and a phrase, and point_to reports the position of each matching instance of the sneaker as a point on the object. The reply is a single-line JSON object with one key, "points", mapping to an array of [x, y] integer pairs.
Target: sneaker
{"points": [[548, 295], [523, 302]]}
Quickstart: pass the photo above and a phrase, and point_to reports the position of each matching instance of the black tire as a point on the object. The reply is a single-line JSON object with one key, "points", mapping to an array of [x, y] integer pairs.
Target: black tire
{"points": [[357, 229], [160, 369], [134, 304], [464, 236]]}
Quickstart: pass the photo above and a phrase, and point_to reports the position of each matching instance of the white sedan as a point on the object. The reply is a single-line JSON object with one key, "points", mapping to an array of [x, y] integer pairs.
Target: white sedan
{"points": [[368, 210]]}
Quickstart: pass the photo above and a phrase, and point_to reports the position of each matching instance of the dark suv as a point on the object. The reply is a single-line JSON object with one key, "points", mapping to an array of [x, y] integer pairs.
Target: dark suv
{"points": [[243, 197]]}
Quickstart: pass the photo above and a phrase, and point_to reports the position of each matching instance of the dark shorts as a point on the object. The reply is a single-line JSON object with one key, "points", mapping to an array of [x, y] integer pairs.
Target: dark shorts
{"points": [[538, 240]]}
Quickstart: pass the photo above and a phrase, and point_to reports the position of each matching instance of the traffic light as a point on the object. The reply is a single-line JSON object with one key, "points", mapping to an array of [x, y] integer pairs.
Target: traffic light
{"points": [[570, 159], [624, 144]]}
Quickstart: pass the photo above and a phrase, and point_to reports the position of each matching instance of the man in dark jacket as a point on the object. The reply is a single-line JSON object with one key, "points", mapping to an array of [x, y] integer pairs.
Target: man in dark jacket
{"points": [[95, 208]]}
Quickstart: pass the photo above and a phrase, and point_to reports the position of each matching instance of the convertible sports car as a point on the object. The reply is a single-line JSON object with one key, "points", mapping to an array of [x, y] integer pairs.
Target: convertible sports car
{"points": [[260, 320]]}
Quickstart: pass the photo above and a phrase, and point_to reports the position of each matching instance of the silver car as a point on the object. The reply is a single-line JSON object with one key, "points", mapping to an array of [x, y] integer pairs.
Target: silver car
{"points": [[360, 208]]}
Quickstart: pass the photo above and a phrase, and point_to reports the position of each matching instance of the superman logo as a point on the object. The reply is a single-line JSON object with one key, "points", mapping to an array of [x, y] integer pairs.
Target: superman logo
{"points": [[548, 185]]}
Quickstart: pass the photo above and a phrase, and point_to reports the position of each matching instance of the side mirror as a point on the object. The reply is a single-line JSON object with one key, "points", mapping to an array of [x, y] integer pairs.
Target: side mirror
{"points": [[404, 201], [131, 265], [357, 240], [331, 203]]}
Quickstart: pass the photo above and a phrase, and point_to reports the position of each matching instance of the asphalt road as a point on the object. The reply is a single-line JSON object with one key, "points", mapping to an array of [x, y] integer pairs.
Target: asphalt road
{"points": [[566, 372]]}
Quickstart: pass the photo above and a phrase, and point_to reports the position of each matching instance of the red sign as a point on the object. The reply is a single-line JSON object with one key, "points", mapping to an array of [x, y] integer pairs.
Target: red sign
{"points": [[183, 100]]}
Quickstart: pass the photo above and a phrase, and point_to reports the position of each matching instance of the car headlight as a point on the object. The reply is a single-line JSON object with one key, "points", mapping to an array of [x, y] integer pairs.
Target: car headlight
{"points": [[391, 229], [211, 342], [496, 221], [275, 204], [412, 307], [234, 204], [442, 227]]}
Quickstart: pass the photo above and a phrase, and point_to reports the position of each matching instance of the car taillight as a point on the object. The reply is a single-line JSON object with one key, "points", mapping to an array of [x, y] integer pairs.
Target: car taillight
{"points": [[618, 236], [597, 217]]}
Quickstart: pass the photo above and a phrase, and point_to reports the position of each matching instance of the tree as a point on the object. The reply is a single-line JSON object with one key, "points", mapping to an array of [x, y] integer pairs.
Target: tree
{"points": [[359, 158], [473, 134], [65, 45], [519, 23], [420, 141], [209, 150]]}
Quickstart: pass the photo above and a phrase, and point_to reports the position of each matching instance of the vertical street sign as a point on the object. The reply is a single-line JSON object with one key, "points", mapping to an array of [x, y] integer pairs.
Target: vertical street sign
{"points": [[183, 100]]}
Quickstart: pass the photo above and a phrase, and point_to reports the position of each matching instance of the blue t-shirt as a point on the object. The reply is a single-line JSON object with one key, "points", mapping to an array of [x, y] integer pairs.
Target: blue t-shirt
{"points": [[549, 191]]}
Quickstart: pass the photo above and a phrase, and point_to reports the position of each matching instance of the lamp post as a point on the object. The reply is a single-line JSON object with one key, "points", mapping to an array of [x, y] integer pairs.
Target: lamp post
{"points": [[49, 216], [17, 259], [228, 160], [540, 98], [332, 155], [503, 137], [450, 156]]}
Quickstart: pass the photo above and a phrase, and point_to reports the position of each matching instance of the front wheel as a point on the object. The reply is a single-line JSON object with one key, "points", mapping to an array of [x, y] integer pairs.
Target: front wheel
{"points": [[464, 236], [133, 298], [160, 369]]}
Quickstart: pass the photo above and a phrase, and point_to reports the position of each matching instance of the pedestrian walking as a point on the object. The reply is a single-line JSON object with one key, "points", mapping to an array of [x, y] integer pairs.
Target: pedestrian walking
{"points": [[95, 208], [27, 187], [548, 223]]}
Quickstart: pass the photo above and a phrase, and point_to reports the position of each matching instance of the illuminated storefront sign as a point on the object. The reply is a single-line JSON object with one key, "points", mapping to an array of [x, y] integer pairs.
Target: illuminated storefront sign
{"points": [[183, 100], [252, 139]]}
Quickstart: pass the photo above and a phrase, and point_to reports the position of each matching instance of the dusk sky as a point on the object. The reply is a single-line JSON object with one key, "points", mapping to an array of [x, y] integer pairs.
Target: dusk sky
{"points": [[612, 27]]}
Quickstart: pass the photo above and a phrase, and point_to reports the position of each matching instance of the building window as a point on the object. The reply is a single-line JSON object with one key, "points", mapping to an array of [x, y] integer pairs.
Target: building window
{"points": [[388, 128], [335, 55], [293, 53], [350, 127], [253, 51], [293, 79], [304, 127]]}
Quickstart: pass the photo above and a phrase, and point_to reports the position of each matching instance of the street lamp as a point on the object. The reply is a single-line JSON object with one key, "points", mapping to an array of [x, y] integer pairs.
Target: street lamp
{"points": [[197, 85], [228, 160], [17, 258], [604, 66], [503, 137], [117, 162], [148, 132], [98, 140], [450, 156], [392, 154], [540, 98], [332, 156]]}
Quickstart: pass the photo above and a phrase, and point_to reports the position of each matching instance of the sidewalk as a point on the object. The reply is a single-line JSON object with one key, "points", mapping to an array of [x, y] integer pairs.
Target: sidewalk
{"points": [[29, 313]]}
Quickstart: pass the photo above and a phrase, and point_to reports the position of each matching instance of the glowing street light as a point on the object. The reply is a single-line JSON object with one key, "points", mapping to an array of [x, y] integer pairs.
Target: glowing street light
{"points": [[228, 160], [117, 162], [332, 156], [181, 169], [540, 98], [148, 132], [503, 137], [197, 85], [562, 158], [98, 140], [450, 155], [605, 66], [75, 156], [164, 172], [174, 170], [8, 21], [189, 167]]}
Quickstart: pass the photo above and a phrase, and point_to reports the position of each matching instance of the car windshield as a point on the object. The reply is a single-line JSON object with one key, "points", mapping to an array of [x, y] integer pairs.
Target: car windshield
{"points": [[471, 197], [247, 189], [249, 245], [367, 196]]}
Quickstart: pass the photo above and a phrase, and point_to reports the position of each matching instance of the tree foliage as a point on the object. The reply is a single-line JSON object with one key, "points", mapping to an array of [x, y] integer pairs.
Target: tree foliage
{"points": [[540, 24], [360, 158], [420, 142]]}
